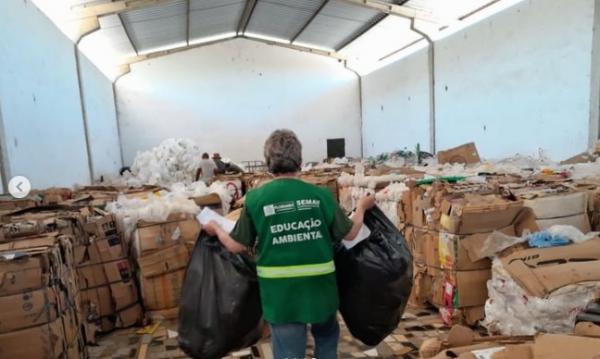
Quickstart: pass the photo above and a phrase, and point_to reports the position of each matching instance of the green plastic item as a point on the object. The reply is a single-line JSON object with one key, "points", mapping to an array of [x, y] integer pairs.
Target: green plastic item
{"points": [[449, 179]]}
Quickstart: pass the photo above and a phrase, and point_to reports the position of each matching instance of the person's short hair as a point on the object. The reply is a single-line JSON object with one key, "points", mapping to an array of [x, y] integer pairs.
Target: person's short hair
{"points": [[283, 152], [205, 156]]}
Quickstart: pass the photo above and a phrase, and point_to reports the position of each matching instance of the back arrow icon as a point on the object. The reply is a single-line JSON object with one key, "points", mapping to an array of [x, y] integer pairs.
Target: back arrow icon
{"points": [[19, 186]]}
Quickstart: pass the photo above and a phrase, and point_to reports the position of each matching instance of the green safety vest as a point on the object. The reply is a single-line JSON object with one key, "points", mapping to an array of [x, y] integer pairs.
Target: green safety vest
{"points": [[296, 224]]}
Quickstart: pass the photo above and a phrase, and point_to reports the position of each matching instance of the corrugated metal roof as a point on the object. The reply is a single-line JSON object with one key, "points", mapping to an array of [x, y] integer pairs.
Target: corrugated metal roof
{"points": [[282, 18], [214, 17], [158, 26], [336, 22]]}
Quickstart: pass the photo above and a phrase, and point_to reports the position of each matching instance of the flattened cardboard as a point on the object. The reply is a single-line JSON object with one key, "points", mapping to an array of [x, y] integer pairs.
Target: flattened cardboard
{"points": [[129, 317], [478, 214], [579, 221], [465, 154], [163, 291], [562, 205], [540, 271], [553, 346], [101, 274], [43, 341], [102, 227], [21, 274], [97, 302], [587, 329], [28, 309], [471, 247], [210, 200], [150, 238], [167, 260], [123, 294], [421, 290]]}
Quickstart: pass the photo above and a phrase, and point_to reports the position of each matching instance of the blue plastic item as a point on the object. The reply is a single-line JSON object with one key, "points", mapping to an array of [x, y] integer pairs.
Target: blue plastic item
{"points": [[546, 239]]}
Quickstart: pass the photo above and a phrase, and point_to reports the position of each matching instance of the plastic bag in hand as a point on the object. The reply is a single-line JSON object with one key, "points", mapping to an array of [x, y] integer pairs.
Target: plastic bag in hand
{"points": [[374, 280], [220, 308]]}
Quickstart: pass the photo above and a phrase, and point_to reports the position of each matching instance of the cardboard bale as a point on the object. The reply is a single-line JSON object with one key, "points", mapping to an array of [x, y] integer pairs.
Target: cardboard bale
{"points": [[43, 341], [101, 274], [561, 205], [29, 309], [579, 221], [167, 260], [478, 214], [151, 237], [9, 203], [454, 250], [465, 154], [459, 289], [161, 291], [22, 272], [420, 294]]}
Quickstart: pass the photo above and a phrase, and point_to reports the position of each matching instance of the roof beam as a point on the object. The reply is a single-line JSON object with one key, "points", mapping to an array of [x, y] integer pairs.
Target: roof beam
{"points": [[394, 9], [153, 55], [187, 22], [113, 8], [331, 54], [307, 24], [246, 15]]}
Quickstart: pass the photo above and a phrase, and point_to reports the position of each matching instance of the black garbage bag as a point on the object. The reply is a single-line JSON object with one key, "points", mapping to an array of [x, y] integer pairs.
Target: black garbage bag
{"points": [[374, 280], [220, 308]]}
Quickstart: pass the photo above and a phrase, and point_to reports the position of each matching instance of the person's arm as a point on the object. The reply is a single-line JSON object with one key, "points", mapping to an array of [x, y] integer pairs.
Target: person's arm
{"points": [[198, 173], [242, 237], [362, 206], [214, 229]]}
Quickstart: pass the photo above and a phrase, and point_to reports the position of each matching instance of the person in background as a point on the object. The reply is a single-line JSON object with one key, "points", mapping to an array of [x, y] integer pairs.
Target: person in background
{"points": [[221, 166], [294, 225], [206, 170], [225, 167]]}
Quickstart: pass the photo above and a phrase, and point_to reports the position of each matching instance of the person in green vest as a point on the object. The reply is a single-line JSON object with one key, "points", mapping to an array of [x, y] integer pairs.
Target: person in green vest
{"points": [[293, 226]]}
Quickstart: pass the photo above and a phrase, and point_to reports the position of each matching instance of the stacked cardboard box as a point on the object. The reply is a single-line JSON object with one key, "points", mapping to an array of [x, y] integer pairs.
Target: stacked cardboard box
{"points": [[109, 295], [447, 223], [39, 299], [162, 253], [556, 203]]}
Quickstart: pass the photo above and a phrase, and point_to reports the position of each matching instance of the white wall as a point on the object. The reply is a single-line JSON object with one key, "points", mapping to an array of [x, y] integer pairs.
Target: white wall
{"points": [[39, 97], [101, 120], [516, 82], [230, 96], [396, 106]]}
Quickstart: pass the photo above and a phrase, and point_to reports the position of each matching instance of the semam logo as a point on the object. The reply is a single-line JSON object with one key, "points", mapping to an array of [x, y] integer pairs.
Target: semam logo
{"points": [[277, 208]]}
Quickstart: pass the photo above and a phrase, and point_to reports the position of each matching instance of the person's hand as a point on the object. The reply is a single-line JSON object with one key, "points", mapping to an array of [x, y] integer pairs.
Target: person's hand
{"points": [[211, 228], [365, 203]]}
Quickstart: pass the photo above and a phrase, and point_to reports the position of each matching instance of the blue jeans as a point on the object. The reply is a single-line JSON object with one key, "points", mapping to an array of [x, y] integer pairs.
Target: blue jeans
{"points": [[289, 340]]}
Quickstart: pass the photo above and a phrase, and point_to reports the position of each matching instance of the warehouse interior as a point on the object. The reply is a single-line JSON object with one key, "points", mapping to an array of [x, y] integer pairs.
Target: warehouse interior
{"points": [[462, 118]]}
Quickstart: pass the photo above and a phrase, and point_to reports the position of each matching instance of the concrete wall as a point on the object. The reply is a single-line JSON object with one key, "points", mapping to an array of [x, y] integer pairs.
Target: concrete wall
{"points": [[101, 119], [41, 111], [42, 120], [515, 82], [395, 106], [228, 97]]}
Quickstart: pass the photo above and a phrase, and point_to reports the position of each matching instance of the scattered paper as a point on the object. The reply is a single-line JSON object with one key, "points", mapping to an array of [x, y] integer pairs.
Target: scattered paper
{"points": [[207, 215]]}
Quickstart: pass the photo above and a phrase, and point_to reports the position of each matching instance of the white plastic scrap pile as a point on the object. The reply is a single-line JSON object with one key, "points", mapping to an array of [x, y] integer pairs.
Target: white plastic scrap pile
{"points": [[172, 165], [536, 290]]}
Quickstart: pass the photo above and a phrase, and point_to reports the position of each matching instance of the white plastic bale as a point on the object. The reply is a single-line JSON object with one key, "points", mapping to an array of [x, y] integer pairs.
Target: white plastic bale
{"points": [[511, 311]]}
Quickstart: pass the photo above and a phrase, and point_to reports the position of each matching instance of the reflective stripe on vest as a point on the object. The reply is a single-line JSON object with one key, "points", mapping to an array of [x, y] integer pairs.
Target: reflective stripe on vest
{"points": [[308, 270]]}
